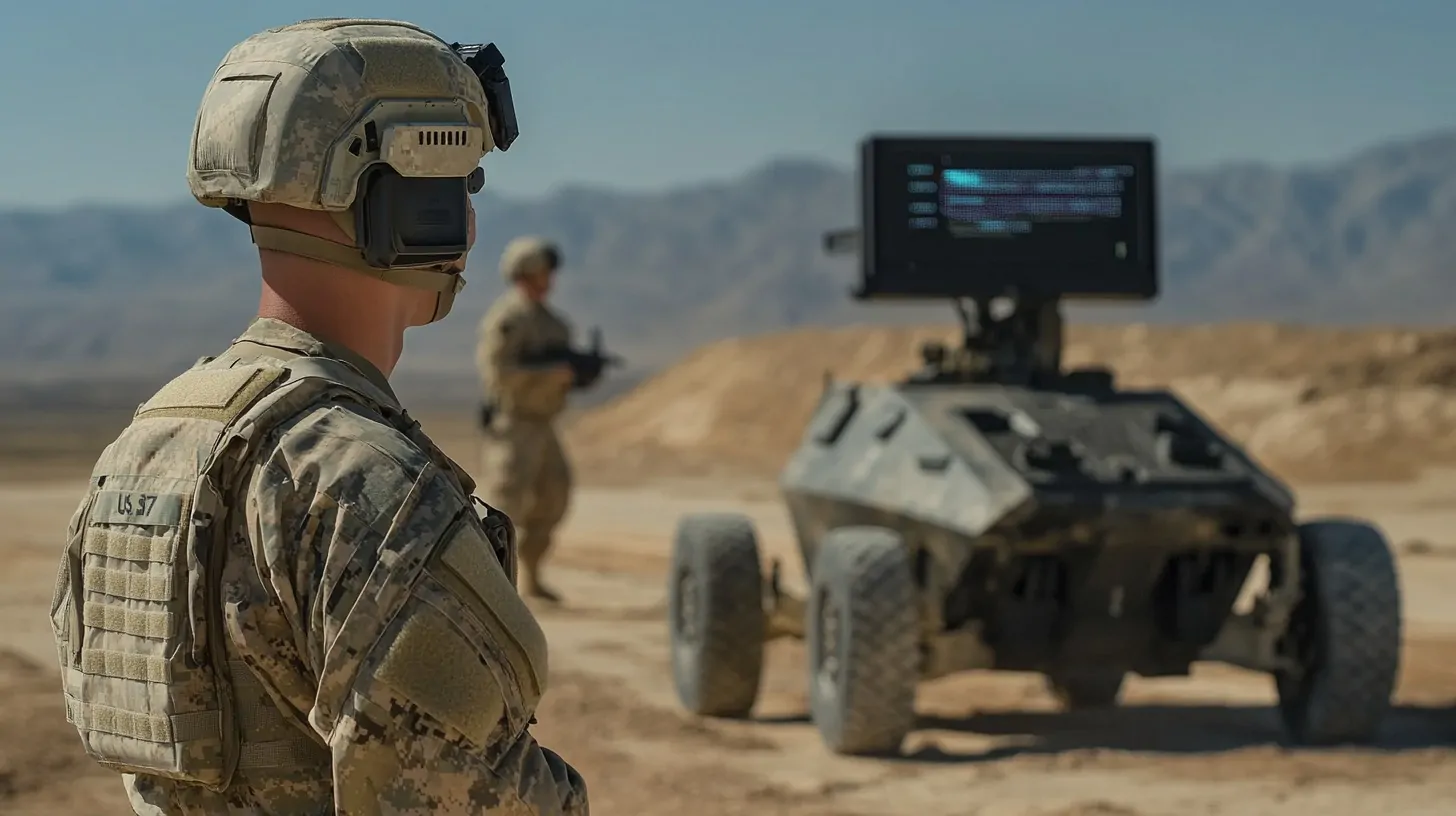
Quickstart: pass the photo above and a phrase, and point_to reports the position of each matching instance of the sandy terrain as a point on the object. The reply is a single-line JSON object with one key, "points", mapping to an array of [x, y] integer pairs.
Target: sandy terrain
{"points": [[987, 743]]}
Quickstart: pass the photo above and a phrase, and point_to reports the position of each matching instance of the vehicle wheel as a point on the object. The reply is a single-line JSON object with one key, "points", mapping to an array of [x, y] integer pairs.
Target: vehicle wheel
{"points": [[864, 638], [1087, 688], [715, 614], [1345, 634]]}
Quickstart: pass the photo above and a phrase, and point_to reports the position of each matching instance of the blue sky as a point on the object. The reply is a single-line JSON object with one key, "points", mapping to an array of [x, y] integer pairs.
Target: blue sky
{"points": [[99, 96]]}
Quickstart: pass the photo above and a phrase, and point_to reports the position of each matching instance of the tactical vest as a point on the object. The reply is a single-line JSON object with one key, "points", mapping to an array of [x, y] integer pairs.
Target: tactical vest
{"points": [[137, 613]]}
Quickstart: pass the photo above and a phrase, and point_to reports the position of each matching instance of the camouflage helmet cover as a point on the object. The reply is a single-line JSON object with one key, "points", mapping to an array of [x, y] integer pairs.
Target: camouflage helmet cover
{"points": [[528, 255], [294, 115]]}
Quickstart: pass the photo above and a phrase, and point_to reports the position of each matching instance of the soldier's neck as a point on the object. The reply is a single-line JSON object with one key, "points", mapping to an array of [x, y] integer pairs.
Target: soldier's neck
{"points": [[531, 294], [371, 327]]}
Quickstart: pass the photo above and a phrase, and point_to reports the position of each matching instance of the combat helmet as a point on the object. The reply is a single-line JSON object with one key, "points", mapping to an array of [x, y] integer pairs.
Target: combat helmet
{"points": [[379, 123], [528, 255]]}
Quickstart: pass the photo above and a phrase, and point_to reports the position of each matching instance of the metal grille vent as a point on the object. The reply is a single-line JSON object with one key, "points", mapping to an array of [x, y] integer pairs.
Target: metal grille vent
{"points": [[444, 138]]}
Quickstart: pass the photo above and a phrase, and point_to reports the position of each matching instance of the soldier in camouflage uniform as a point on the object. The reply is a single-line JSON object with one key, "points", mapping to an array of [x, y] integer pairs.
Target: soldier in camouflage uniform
{"points": [[524, 470], [278, 596]]}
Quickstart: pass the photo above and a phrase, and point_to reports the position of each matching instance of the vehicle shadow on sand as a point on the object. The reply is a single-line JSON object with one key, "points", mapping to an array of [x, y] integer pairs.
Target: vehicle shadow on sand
{"points": [[1144, 728], [1162, 729]]}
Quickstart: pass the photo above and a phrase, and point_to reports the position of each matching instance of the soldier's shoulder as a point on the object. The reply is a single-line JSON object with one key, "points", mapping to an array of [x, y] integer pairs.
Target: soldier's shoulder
{"points": [[334, 427], [354, 456]]}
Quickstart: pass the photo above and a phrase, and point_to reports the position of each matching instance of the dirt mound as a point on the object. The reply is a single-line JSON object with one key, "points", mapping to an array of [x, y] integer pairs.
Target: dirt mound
{"points": [[1312, 403]]}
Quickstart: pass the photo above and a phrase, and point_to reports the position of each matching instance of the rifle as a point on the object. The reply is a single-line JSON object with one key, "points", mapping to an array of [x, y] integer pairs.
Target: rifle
{"points": [[586, 366]]}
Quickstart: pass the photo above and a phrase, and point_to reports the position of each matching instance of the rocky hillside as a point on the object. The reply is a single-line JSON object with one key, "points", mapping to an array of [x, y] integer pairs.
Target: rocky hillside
{"points": [[132, 294]]}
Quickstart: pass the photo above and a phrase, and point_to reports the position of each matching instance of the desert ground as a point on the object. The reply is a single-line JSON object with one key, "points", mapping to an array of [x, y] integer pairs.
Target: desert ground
{"points": [[1361, 422]]}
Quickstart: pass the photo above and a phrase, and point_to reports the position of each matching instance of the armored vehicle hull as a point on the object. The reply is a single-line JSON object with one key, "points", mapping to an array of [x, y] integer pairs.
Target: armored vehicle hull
{"points": [[1074, 526], [1078, 531]]}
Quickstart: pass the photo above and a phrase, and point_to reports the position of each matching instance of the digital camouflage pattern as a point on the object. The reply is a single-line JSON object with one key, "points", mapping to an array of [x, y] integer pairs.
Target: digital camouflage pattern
{"points": [[524, 470], [306, 88], [381, 659]]}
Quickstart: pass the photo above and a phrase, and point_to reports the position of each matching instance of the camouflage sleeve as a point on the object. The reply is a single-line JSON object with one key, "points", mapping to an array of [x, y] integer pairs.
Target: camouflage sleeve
{"points": [[431, 726], [428, 665]]}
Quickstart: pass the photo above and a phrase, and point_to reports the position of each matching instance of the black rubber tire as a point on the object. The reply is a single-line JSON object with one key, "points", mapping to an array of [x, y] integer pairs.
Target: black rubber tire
{"points": [[1087, 689], [862, 578], [716, 635], [1346, 632]]}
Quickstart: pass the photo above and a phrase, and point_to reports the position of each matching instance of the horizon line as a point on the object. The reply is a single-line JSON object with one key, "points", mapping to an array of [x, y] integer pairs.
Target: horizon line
{"points": [[557, 190]]}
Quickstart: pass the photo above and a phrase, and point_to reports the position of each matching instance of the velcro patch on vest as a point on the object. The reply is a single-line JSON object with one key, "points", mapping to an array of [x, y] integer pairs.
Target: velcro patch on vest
{"points": [[219, 394], [137, 507]]}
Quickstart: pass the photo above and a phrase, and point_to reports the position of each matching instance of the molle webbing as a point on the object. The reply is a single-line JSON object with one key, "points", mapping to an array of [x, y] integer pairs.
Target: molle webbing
{"points": [[147, 728], [130, 547], [124, 665], [156, 625], [132, 586], [150, 683], [268, 740]]}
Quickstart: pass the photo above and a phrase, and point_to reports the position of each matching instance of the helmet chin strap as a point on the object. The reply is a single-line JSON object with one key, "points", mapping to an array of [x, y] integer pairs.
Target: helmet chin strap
{"points": [[434, 278]]}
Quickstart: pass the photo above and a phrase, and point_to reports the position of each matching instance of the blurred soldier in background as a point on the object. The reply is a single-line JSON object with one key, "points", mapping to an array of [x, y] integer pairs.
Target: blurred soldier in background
{"points": [[277, 595], [527, 367], [526, 372]]}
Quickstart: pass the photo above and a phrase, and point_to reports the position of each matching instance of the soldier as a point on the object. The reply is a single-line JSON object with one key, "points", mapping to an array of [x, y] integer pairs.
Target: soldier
{"points": [[278, 595], [524, 469]]}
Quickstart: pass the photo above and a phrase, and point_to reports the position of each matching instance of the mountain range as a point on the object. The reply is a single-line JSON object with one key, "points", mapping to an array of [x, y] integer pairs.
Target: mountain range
{"points": [[112, 294]]}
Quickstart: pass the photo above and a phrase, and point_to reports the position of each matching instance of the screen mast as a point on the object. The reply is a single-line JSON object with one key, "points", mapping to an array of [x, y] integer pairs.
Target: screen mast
{"points": [[1011, 227]]}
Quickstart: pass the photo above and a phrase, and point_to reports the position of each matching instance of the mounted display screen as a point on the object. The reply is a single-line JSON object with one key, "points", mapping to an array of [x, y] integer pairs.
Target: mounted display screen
{"points": [[987, 217]]}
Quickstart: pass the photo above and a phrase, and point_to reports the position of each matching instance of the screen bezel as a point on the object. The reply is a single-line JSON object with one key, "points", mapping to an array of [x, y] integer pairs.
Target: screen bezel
{"points": [[881, 278]]}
